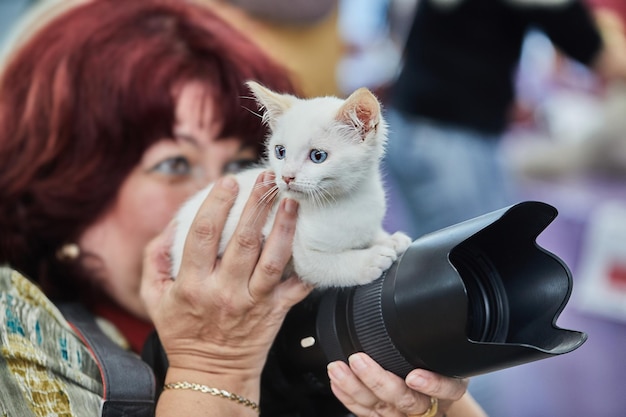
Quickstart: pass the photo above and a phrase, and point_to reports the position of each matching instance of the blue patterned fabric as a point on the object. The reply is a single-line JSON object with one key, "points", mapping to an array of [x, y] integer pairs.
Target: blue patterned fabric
{"points": [[45, 368]]}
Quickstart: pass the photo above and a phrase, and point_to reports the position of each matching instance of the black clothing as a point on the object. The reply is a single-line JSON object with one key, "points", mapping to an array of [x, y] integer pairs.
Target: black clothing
{"points": [[280, 395], [460, 61]]}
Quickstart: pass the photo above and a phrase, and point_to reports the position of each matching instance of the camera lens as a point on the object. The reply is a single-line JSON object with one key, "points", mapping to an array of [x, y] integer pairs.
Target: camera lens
{"points": [[488, 309], [472, 298]]}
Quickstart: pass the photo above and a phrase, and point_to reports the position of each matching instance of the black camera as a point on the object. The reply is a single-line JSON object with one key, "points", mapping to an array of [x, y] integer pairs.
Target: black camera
{"points": [[469, 299]]}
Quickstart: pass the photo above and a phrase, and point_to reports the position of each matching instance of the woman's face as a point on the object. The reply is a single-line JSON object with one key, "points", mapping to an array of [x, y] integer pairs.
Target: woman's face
{"points": [[168, 174]]}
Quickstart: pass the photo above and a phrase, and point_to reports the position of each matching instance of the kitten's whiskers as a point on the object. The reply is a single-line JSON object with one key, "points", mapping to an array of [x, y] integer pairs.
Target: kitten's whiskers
{"points": [[260, 116], [267, 199], [261, 108], [320, 197], [328, 196]]}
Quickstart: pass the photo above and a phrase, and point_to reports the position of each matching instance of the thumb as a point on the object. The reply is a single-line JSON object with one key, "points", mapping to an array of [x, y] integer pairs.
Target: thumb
{"points": [[156, 274]]}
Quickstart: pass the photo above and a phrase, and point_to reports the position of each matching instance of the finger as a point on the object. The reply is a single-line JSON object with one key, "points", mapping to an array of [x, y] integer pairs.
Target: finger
{"points": [[202, 243], [276, 251], [436, 385], [156, 272], [243, 249], [354, 407], [161, 247], [386, 386], [349, 390], [292, 291]]}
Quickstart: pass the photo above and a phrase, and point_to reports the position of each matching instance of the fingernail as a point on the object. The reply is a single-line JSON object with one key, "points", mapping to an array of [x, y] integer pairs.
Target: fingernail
{"points": [[357, 362], [416, 381], [228, 182], [291, 206], [335, 372]]}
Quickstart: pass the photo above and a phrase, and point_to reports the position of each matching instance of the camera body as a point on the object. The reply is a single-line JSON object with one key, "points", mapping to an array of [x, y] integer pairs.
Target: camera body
{"points": [[469, 299]]}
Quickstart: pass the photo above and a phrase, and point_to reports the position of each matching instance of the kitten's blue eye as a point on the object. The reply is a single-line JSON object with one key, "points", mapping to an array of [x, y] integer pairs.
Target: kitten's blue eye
{"points": [[280, 151], [318, 156]]}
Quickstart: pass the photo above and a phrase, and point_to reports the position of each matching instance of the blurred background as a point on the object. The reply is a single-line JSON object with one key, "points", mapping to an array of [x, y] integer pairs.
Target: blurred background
{"points": [[565, 144]]}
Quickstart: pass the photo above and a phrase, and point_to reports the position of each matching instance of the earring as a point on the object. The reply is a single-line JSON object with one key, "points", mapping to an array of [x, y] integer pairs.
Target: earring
{"points": [[68, 252]]}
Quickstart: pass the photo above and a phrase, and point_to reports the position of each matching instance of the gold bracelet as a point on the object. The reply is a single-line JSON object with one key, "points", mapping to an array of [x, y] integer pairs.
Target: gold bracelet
{"points": [[215, 392]]}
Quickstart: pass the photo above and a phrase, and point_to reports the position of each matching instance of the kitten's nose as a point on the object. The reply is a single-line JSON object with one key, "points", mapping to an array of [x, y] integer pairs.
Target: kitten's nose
{"points": [[288, 179]]}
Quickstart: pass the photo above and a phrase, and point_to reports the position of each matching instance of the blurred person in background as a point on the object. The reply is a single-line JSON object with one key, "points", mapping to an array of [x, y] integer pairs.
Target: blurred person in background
{"points": [[454, 96]]}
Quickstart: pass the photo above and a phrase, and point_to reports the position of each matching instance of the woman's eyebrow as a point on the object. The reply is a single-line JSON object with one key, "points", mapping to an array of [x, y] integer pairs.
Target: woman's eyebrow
{"points": [[187, 137]]}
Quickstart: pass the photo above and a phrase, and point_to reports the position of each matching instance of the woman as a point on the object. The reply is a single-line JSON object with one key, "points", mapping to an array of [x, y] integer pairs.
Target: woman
{"points": [[112, 114]]}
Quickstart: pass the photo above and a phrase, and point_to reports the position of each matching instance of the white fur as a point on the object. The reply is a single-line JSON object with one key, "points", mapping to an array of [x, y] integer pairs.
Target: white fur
{"points": [[339, 240]]}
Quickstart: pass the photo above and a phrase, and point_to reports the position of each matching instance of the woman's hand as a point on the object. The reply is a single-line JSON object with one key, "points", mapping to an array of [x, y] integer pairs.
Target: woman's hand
{"points": [[366, 389], [219, 317]]}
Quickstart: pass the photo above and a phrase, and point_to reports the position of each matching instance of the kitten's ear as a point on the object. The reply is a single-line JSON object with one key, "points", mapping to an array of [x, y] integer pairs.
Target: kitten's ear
{"points": [[361, 110], [275, 104]]}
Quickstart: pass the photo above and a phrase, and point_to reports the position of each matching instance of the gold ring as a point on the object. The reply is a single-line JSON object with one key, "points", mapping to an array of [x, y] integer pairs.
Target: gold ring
{"points": [[432, 410]]}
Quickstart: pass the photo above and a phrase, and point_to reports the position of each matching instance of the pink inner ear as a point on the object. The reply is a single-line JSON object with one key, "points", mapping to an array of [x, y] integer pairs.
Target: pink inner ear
{"points": [[361, 110], [364, 114]]}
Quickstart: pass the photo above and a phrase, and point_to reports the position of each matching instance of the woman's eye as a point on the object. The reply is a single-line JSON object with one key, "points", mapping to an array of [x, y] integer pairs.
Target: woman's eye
{"points": [[239, 165], [177, 166], [280, 151], [318, 156]]}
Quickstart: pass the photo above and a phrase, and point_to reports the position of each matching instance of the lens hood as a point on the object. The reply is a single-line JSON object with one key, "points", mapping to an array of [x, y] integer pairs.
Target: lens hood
{"points": [[469, 299]]}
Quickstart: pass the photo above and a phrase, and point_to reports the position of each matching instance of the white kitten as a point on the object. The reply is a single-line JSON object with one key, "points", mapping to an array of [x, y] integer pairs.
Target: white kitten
{"points": [[325, 153]]}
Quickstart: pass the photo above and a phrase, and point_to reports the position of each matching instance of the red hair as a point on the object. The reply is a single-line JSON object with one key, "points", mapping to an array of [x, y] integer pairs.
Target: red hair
{"points": [[82, 100]]}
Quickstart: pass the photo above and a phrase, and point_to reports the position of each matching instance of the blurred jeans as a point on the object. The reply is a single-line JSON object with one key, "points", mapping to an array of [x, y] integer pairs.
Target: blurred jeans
{"points": [[443, 174]]}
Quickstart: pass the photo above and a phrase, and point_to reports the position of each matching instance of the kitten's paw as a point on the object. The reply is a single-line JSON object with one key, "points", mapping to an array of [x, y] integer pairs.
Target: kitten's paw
{"points": [[379, 259], [400, 242]]}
